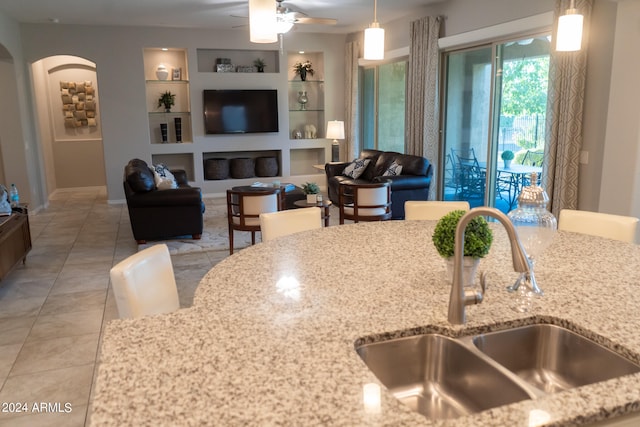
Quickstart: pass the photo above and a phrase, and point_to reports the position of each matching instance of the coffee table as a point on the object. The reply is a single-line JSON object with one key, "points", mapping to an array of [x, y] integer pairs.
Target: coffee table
{"points": [[326, 204]]}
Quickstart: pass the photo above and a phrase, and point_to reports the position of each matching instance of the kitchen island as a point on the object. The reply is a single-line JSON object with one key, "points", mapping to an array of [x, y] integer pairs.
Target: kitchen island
{"points": [[270, 339]]}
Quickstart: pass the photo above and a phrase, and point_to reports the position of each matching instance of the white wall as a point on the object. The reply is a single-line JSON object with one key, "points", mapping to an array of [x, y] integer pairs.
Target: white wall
{"points": [[20, 154], [621, 163]]}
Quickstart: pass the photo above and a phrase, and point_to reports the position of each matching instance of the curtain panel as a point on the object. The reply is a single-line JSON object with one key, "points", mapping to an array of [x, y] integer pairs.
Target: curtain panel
{"points": [[565, 109], [351, 113], [422, 118]]}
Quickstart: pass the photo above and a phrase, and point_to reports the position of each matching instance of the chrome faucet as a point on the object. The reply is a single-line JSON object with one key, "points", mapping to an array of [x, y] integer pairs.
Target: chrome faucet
{"points": [[460, 298]]}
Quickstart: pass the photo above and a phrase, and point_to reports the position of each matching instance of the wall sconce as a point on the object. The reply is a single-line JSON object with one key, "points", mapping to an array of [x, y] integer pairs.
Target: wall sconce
{"points": [[374, 37], [335, 131], [262, 21], [569, 35]]}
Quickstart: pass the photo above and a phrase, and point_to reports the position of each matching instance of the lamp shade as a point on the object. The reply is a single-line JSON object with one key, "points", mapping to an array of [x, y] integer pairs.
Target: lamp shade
{"points": [[335, 129], [569, 36], [374, 42], [262, 21]]}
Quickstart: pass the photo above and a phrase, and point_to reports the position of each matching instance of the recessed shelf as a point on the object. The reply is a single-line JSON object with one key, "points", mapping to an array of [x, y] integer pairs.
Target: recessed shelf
{"points": [[207, 60]]}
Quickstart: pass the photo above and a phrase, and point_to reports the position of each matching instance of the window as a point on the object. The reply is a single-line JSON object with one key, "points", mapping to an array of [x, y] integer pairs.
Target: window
{"points": [[495, 99], [383, 106]]}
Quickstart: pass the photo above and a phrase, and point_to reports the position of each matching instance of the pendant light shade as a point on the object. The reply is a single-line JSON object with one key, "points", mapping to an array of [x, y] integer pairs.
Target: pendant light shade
{"points": [[569, 36], [374, 38], [262, 21]]}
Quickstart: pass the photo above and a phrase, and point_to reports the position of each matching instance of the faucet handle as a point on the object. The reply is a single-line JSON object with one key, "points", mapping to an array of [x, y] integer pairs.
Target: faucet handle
{"points": [[483, 281], [473, 297]]}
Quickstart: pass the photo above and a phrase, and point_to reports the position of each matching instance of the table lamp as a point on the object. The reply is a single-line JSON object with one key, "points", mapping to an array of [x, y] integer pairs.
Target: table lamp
{"points": [[335, 131]]}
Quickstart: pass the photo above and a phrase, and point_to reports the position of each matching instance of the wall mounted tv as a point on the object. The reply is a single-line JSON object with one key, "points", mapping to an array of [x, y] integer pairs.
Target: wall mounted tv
{"points": [[240, 111]]}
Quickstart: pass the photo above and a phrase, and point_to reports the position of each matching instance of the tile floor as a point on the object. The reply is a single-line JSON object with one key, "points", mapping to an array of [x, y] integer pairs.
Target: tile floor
{"points": [[53, 308]]}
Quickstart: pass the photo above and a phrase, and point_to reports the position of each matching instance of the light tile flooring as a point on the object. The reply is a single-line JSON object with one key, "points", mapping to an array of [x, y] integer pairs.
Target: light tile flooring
{"points": [[53, 308]]}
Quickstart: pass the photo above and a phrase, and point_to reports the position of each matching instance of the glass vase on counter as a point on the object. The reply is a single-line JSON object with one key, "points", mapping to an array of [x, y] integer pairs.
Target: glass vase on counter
{"points": [[536, 228]]}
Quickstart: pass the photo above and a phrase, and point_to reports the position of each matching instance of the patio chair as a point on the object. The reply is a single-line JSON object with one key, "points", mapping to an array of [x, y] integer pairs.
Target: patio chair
{"points": [[472, 177]]}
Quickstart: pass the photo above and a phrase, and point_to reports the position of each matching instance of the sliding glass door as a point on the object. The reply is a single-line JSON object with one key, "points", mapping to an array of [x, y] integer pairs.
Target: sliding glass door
{"points": [[494, 102]]}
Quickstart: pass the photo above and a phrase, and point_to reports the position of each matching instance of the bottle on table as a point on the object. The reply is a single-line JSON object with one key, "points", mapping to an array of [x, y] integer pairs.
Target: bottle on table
{"points": [[14, 196]]}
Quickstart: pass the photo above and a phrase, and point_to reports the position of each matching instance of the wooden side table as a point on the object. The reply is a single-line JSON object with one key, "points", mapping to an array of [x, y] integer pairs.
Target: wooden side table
{"points": [[326, 204], [15, 242]]}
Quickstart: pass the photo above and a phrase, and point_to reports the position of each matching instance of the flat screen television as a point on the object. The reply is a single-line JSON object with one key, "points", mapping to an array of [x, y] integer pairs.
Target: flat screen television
{"points": [[240, 111]]}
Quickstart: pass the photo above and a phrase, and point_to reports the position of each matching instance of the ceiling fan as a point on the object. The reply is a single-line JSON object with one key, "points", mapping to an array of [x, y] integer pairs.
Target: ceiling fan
{"points": [[287, 18]]}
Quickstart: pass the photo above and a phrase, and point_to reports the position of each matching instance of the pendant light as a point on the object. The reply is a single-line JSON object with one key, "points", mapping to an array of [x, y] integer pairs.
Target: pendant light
{"points": [[374, 38], [569, 35], [262, 21]]}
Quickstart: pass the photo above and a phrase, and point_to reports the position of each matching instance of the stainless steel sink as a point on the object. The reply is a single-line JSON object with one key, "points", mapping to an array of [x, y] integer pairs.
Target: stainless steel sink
{"points": [[553, 358], [439, 377], [443, 378]]}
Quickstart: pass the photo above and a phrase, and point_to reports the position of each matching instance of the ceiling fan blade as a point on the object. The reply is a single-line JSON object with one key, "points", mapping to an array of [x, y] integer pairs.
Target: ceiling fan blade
{"points": [[317, 21]]}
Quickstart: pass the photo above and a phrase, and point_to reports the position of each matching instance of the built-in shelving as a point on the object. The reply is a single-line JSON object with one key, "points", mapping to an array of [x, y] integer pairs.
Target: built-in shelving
{"points": [[306, 120], [177, 82]]}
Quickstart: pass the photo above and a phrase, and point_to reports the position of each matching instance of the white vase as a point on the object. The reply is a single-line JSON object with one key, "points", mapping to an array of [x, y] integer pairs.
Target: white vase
{"points": [[470, 267], [161, 72], [312, 198]]}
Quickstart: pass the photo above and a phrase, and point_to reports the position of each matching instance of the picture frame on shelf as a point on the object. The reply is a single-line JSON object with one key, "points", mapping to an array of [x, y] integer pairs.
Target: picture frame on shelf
{"points": [[176, 74]]}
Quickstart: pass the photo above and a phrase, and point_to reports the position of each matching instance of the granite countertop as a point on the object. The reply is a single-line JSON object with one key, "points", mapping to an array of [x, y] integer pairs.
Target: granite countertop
{"points": [[270, 337]]}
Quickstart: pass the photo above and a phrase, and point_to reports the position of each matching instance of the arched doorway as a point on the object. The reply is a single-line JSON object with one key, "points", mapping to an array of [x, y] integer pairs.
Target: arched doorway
{"points": [[69, 125]]}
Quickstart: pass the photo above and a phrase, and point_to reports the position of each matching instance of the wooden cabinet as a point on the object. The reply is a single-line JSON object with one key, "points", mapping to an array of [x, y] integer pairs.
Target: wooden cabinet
{"points": [[15, 242]]}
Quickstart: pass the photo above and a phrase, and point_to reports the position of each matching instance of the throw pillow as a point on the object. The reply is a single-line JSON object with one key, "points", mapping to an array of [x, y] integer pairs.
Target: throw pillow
{"points": [[164, 178], [356, 168], [394, 169]]}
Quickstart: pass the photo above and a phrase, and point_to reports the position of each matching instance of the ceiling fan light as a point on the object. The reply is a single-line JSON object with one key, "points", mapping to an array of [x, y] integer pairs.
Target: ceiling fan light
{"points": [[374, 42], [262, 21], [569, 36]]}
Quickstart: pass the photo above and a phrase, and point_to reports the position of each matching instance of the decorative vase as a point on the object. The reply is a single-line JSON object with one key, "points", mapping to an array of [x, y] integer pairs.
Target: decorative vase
{"points": [[303, 74], [161, 72], [470, 267], [178, 124], [303, 99], [507, 164], [163, 131], [167, 108], [312, 198]]}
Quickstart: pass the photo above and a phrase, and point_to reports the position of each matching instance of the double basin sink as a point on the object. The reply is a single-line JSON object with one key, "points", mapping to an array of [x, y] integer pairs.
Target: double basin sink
{"points": [[444, 378]]}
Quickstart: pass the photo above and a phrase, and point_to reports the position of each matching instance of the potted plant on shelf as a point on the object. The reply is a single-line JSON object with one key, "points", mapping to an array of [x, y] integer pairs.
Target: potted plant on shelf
{"points": [[166, 99], [312, 190], [477, 242], [507, 157], [259, 64], [303, 68]]}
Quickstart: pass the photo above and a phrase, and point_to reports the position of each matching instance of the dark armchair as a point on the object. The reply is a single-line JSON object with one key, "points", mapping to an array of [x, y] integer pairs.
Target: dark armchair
{"points": [[159, 214]]}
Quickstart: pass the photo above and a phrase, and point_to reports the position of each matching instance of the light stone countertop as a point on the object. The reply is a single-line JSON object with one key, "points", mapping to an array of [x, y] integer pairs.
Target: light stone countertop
{"points": [[270, 337]]}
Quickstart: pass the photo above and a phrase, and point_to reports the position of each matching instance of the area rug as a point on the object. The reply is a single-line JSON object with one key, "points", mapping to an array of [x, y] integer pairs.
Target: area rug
{"points": [[215, 236]]}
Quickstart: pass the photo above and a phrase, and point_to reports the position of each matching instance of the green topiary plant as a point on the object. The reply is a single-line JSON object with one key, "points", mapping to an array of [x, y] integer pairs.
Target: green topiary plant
{"points": [[477, 238], [310, 188], [507, 155]]}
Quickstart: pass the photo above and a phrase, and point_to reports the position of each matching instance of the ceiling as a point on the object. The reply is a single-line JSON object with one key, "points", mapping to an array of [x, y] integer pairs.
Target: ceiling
{"points": [[352, 15]]}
